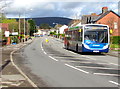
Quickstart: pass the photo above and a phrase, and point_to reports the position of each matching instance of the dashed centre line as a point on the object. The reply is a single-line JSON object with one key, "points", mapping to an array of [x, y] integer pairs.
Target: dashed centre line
{"points": [[114, 64], [45, 52], [106, 74], [114, 82], [53, 58], [77, 68], [87, 58]]}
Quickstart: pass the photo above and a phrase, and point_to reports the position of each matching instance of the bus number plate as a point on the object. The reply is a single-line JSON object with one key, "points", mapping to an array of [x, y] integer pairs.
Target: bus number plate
{"points": [[95, 51]]}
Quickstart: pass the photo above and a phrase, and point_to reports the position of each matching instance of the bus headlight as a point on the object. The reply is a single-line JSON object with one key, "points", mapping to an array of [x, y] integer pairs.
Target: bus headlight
{"points": [[105, 47], [86, 46]]}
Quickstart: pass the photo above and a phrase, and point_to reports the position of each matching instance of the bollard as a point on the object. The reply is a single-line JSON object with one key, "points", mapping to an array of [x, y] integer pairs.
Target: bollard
{"points": [[46, 40]]}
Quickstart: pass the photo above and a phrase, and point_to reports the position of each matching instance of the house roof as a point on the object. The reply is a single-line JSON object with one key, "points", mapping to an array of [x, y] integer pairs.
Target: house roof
{"points": [[4, 26], [88, 18], [104, 14]]}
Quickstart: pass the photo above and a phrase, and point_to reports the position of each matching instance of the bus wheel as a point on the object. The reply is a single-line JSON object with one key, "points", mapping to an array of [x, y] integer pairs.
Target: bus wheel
{"points": [[77, 48], [67, 46]]}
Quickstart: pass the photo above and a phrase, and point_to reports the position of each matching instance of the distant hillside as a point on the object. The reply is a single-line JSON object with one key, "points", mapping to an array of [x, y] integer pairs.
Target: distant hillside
{"points": [[51, 20]]}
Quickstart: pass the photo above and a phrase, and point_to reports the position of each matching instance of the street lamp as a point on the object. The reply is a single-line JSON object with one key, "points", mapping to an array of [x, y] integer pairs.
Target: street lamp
{"points": [[25, 24], [19, 28]]}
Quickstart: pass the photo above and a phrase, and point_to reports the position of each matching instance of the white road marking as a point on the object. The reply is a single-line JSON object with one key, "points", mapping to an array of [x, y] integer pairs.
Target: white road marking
{"points": [[74, 61], [72, 58], [53, 58], [41, 45], [3, 86], [96, 67], [76, 68], [45, 52], [82, 55], [72, 52], [67, 57], [114, 64], [106, 74], [21, 72], [88, 57], [78, 61], [7, 82], [114, 82], [42, 49]]}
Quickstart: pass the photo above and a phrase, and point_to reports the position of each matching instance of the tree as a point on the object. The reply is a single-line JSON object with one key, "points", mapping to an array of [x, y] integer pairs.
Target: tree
{"points": [[32, 26], [57, 26], [5, 3], [2, 17], [13, 24], [45, 26], [8, 20]]}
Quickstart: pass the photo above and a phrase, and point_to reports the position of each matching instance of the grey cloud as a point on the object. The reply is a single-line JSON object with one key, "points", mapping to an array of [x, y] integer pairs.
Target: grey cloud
{"points": [[70, 5], [59, 9]]}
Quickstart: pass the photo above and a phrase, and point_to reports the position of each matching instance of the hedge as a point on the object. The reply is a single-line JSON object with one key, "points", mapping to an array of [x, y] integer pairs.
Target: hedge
{"points": [[115, 39]]}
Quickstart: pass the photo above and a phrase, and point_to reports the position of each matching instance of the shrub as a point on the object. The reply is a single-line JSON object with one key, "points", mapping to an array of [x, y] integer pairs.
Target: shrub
{"points": [[115, 39]]}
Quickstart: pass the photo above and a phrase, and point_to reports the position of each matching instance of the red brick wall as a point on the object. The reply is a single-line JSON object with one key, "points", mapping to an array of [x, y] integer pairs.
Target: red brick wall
{"points": [[4, 26], [109, 20]]}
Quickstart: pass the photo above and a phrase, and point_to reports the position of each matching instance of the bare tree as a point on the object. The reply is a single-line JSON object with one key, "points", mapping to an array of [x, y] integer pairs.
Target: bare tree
{"points": [[4, 3]]}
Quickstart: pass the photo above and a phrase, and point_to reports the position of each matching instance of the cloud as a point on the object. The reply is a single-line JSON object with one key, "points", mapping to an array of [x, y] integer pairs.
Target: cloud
{"points": [[56, 9], [49, 6]]}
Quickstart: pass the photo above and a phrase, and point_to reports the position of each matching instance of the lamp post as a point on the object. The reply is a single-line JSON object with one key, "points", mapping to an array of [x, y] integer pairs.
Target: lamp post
{"points": [[28, 29], [19, 28], [24, 26]]}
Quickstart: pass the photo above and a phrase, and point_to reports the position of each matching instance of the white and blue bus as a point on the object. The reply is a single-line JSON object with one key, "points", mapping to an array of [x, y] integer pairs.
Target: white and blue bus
{"points": [[88, 38]]}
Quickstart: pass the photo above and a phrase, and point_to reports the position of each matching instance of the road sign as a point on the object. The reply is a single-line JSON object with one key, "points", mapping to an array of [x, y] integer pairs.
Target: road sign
{"points": [[7, 33], [14, 33]]}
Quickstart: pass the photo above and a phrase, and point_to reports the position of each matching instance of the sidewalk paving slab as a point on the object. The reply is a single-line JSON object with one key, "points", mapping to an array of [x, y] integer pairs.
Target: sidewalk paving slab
{"points": [[10, 73]]}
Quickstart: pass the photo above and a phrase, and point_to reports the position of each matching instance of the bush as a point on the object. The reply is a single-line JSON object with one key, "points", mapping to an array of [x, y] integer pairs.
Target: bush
{"points": [[115, 39], [63, 35], [14, 39]]}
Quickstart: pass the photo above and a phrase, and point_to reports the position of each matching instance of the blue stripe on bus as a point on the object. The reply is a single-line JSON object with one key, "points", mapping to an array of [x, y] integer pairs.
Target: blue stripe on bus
{"points": [[95, 49]]}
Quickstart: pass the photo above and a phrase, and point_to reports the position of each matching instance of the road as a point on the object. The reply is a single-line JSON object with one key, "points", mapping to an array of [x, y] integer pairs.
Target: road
{"points": [[59, 67]]}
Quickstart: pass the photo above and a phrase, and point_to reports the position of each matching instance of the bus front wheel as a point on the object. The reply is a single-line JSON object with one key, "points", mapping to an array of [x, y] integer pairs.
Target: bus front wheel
{"points": [[77, 48], [67, 46]]}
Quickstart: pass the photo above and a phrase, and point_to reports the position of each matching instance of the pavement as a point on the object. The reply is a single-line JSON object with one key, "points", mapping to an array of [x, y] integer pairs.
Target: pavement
{"points": [[10, 76], [114, 53]]}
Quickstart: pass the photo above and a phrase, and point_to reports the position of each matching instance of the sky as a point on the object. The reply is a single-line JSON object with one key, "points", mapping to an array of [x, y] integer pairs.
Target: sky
{"points": [[73, 9]]}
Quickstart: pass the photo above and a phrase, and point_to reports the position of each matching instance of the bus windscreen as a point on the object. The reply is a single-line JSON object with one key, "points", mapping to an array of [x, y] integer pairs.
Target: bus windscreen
{"points": [[93, 36]]}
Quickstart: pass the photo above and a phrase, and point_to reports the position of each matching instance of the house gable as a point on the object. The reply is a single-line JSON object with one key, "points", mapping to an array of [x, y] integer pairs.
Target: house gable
{"points": [[111, 19], [106, 14]]}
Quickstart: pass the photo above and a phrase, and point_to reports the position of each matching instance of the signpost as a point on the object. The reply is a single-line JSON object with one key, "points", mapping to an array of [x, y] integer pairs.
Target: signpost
{"points": [[7, 33], [14, 33]]}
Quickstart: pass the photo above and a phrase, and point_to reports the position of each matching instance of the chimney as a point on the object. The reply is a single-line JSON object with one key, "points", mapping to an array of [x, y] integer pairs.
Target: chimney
{"points": [[93, 14], [104, 9]]}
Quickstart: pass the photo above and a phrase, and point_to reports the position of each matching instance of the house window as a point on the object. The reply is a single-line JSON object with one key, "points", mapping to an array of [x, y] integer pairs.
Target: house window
{"points": [[115, 25]]}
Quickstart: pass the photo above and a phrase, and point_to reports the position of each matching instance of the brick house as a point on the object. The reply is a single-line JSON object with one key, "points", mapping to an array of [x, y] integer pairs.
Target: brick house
{"points": [[86, 19], [4, 26], [109, 18]]}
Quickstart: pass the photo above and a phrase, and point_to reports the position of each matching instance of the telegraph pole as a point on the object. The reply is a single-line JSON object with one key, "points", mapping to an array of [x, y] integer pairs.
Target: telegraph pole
{"points": [[19, 28]]}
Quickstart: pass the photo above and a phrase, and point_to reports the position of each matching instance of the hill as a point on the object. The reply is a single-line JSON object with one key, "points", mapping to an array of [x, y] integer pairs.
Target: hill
{"points": [[52, 21]]}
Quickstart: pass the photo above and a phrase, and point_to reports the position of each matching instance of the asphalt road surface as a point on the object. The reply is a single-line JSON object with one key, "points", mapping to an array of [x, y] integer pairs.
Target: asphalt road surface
{"points": [[59, 67]]}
